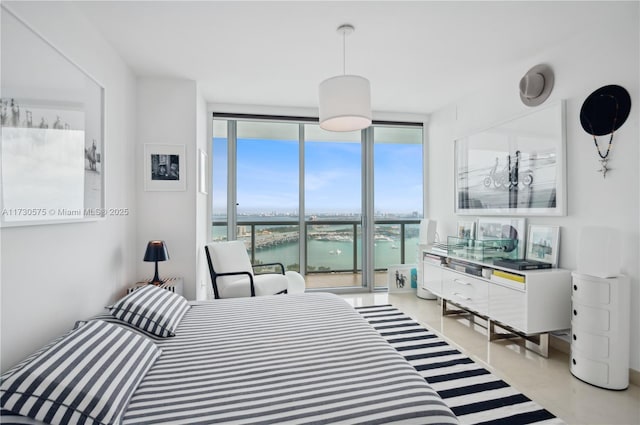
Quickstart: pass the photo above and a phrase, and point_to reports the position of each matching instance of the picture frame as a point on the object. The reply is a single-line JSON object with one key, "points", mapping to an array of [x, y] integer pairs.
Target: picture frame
{"points": [[52, 118], [514, 168], [202, 171], [504, 228], [466, 229], [543, 244], [165, 167], [402, 278]]}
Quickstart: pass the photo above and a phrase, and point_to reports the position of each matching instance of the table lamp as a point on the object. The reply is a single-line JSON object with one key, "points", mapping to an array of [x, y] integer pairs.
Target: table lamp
{"points": [[156, 251]]}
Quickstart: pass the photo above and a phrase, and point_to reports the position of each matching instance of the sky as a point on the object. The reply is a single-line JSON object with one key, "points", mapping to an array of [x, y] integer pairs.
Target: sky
{"points": [[268, 176]]}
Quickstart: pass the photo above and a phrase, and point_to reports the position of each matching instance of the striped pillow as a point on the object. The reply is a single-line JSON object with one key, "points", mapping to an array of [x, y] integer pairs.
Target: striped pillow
{"points": [[87, 377], [107, 317], [152, 309]]}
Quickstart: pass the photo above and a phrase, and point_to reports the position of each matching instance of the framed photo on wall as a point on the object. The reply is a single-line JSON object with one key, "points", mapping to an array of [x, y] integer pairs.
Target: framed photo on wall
{"points": [[543, 243], [165, 168], [514, 168]]}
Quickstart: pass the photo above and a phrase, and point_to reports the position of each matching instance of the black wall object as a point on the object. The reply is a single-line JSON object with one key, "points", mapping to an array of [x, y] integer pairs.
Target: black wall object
{"points": [[605, 110]]}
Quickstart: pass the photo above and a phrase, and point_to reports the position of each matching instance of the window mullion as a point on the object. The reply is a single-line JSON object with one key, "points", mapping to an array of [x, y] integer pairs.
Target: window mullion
{"points": [[232, 199]]}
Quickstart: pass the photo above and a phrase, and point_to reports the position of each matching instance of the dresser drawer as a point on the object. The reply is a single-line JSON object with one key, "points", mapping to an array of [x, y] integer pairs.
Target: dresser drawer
{"points": [[590, 292], [593, 318], [589, 345], [508, 306], [467, 291]]}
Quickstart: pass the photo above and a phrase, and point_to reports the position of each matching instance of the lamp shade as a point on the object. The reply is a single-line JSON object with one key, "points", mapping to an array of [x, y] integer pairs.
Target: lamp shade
{"points": [[345, 103], [156, 251]]}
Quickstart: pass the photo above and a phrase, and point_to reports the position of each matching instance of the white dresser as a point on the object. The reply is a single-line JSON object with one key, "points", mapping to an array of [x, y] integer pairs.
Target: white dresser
{"points": [[600, 326], [534, 306]]}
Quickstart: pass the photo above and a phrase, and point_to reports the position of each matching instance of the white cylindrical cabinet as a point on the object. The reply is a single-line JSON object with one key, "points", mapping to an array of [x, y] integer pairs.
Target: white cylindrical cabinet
{"points": [[600, 326]]}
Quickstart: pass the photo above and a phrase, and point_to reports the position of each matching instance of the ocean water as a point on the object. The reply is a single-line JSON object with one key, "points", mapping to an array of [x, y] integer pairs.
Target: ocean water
{"points": [[338, 256], [333, 255]]}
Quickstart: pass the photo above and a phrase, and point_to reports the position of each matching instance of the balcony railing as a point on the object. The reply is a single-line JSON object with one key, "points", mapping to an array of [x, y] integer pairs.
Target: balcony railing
{"points": [[330, 245]]}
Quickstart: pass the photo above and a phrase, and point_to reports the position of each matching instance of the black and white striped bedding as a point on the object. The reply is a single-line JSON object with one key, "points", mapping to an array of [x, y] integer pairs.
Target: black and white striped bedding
{"points": [[299, 358]]}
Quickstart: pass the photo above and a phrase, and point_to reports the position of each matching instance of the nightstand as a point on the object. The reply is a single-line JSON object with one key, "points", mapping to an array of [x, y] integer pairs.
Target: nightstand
{"points": [[173, 284]]}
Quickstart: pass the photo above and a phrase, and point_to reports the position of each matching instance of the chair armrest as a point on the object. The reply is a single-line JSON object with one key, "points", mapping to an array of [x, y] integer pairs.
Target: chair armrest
{"points": [[253, 289], [270, 264]]}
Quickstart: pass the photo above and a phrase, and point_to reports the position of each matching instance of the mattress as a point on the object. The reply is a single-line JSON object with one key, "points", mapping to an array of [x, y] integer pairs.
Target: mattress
{"points": [[298, 358]]}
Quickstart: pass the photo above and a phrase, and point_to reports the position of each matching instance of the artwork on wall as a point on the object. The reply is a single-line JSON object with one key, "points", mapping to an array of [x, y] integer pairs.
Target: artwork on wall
{"points": [[164, 167], [52, 120], [543, 243], [504, 228], [515, 168]]}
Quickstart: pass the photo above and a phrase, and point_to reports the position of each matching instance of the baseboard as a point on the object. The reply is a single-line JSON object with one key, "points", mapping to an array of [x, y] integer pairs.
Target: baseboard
{"points": [[634, 377], [560, 344]]}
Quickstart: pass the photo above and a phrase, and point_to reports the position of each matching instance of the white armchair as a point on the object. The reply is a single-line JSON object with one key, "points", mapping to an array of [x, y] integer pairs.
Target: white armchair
{"points": [[232, 275]]}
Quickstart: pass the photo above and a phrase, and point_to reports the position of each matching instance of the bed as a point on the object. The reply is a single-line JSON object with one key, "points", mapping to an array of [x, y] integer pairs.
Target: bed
{"points": [[298, 358]]}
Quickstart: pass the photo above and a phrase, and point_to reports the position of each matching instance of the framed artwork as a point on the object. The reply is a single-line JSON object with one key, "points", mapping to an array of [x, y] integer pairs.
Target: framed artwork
{"points": [[504, 228], [164, 168], [543, 243], [466, 229], [515, 168], [402, 278], [52, 125], [202, 171]]}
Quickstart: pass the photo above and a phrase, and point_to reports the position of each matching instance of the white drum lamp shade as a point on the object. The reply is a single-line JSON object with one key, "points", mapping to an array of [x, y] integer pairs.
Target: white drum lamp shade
{"points": [[345, 103]]}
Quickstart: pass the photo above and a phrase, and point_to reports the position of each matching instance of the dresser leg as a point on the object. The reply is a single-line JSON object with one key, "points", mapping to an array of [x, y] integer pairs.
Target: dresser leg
{"points": [[538, 343], [448, 312]]}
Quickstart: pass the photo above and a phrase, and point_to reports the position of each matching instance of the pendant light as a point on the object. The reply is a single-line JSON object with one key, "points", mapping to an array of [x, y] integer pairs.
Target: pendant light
{"points": [[345, 100]]}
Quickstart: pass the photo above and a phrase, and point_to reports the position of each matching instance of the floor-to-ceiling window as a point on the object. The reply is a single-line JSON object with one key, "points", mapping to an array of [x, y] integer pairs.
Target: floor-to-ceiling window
{"points": [[398, 195], [297, 194], [333, 206], [267, 191]]}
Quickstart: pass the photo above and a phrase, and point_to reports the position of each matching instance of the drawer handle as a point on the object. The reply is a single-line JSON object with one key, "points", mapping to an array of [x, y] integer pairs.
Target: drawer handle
{"points": [[575, 312], [461, 282], [575, 287], [575, 338], [574, 361], [461, 296]]}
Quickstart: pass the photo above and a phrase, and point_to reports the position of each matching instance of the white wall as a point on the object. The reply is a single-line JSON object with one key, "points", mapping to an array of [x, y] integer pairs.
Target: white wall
{"points": [[171, 111], [608, 54], [56, 274]]}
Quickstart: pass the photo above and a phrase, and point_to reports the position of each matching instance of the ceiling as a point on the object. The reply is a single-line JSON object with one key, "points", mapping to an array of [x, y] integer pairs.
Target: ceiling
{"points": [[418, 55]]}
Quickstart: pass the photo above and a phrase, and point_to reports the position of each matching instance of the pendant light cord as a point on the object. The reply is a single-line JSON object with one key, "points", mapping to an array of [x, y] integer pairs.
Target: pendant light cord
{"points": [[344, 52]]}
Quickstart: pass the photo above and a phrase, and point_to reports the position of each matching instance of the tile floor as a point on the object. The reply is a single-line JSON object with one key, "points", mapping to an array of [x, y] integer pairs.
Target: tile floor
{"points": [[546, 381]]}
